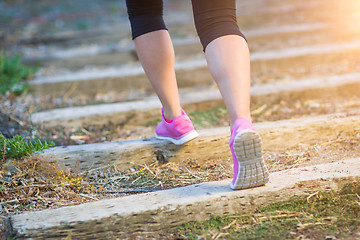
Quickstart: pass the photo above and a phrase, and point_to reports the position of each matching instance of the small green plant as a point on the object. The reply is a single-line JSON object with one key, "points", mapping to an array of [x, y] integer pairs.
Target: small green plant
{"points": [[13, 75], [17, 146]]}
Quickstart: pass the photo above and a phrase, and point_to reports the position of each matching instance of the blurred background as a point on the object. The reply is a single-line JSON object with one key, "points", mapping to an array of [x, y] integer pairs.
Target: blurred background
{"points": [[49, 29], [42, 23], [80, 54]]}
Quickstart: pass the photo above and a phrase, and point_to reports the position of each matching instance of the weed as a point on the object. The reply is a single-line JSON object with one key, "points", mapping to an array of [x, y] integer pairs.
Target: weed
{"points": [[13, 74], [67, 178], [17, 146]]}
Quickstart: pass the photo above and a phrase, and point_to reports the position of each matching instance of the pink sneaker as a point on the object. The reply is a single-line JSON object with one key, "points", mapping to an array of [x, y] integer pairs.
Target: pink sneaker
{"points": [[246, 148], [179, 130]]}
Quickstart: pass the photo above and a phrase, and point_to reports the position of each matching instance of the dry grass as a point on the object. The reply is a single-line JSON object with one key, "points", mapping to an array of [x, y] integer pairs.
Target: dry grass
{"points": [[31, 183], [34, 183]]}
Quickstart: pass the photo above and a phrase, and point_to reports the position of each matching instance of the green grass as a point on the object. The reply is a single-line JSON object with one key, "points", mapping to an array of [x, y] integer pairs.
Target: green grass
{"points": [[13, 75], [17, 146], [315, 216], [203, 119], [209, 118], [82, 25]]}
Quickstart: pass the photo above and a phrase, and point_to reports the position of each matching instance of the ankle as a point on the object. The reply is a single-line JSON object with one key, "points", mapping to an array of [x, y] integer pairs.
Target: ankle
{"points": [[232, 121], [242, 124], [170, 114]]}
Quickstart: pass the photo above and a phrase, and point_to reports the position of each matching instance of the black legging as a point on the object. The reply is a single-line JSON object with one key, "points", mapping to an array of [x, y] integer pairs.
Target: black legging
{"points": [[213, 18]]}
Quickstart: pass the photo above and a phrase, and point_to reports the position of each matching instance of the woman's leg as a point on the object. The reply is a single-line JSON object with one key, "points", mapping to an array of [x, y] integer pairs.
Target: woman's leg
{"points": [[228, 59], [156, 55], [229, 63], [155, 51], [226, 53]]}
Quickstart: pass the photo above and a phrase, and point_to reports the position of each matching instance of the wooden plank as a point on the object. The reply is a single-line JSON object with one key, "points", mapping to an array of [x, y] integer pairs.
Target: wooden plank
{"points": [[189, 73], [149, 109], [154, 212], [212, 144]]}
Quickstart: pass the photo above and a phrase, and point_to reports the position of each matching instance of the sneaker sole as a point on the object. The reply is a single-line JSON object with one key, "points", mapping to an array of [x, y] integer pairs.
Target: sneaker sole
{"points": [[186, 138], [252, 168]]}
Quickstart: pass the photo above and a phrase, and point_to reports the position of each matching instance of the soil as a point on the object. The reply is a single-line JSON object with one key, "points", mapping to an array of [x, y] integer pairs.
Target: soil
{"points": [[14, 117], [8, 127]]}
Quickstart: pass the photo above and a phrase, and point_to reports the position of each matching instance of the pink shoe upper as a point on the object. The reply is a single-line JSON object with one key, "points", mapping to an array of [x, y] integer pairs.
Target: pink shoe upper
{"points": [[175, 128], [239, 125]]}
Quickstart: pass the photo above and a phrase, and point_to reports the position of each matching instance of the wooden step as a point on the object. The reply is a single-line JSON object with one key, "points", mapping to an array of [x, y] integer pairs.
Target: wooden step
{"points": [[189, 73], [134, 216], [212, 144], [135, 112], [117, 53]]}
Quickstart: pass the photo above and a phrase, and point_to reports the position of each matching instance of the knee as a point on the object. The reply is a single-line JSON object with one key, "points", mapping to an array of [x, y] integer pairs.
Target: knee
{"points": [[214, 19]]}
